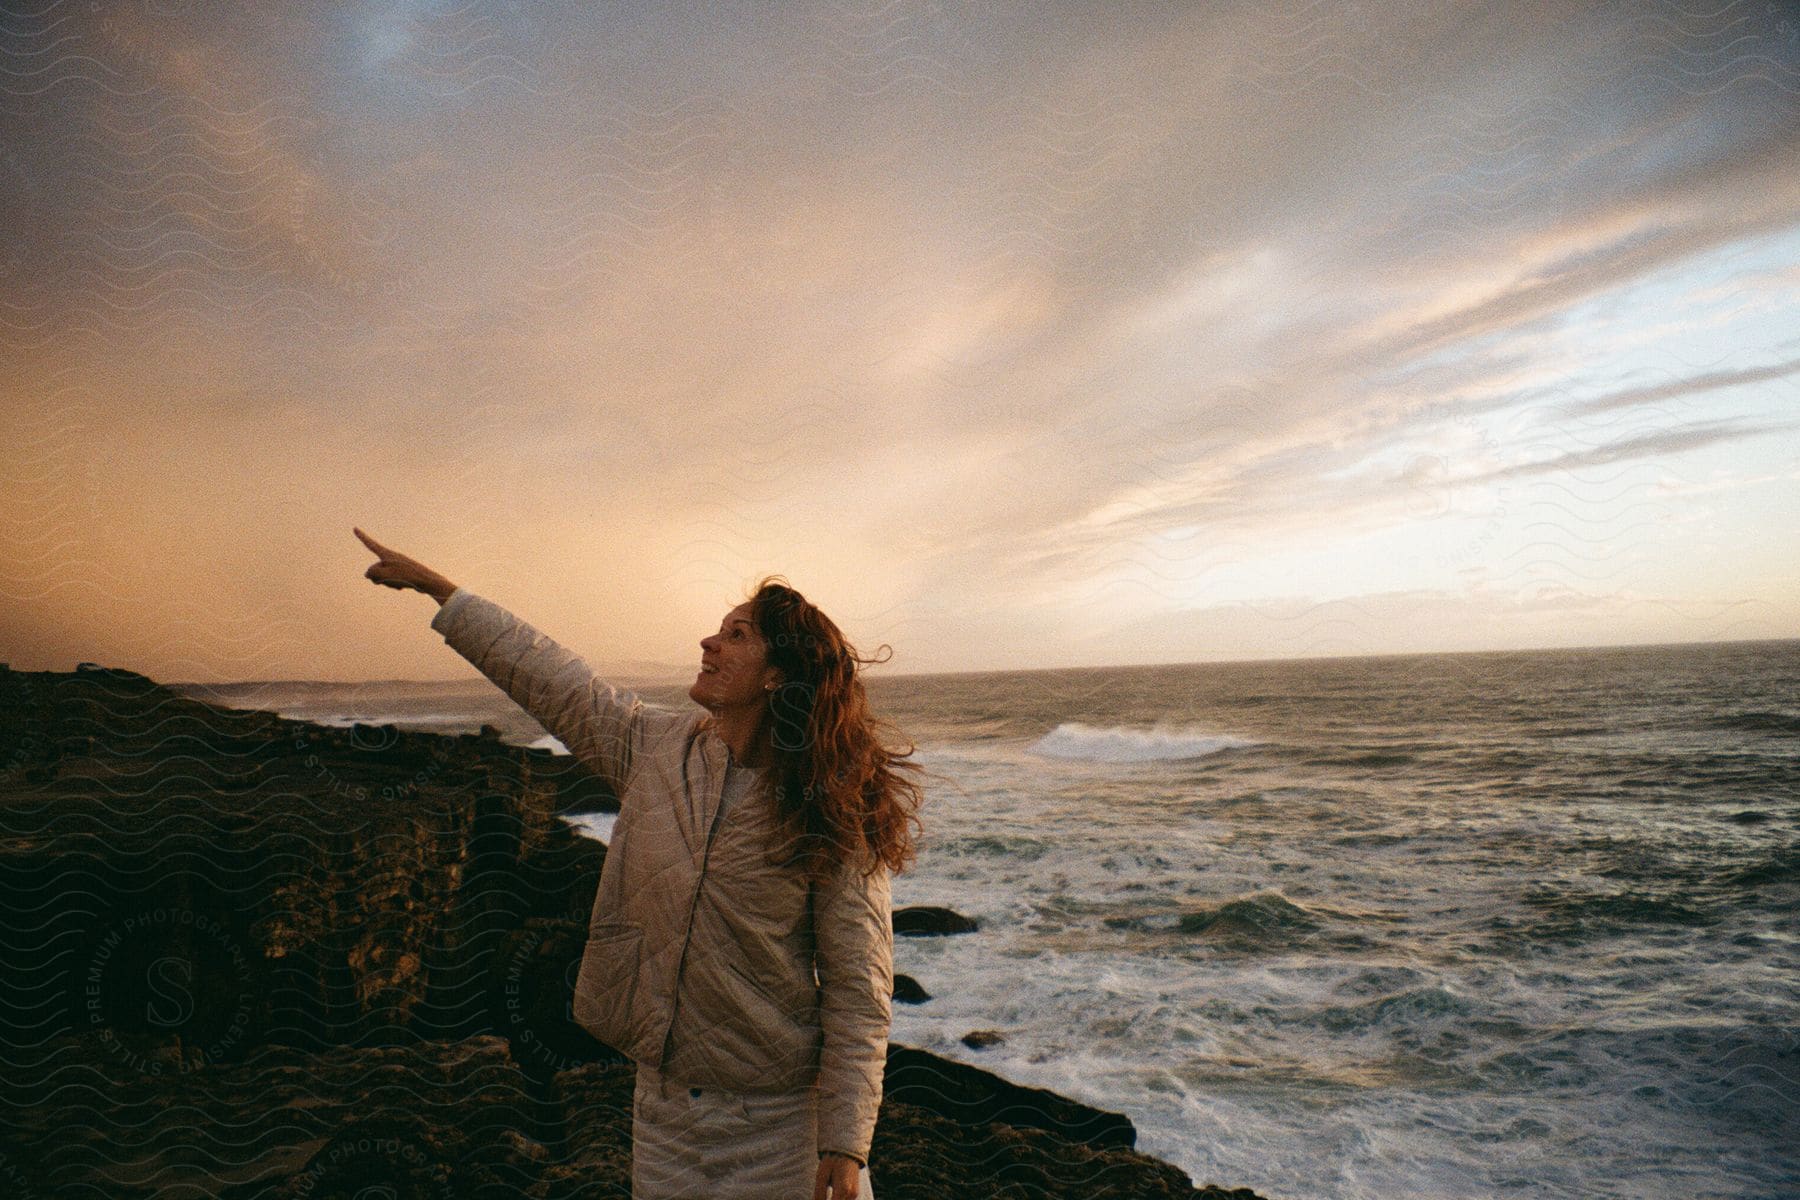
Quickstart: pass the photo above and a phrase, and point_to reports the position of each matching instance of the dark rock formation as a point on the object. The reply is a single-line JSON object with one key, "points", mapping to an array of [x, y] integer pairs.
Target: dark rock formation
{"points": [[908, 991], [246, 957], [927, 920], [981, 1039], [921, 1154], [971, 1096]]}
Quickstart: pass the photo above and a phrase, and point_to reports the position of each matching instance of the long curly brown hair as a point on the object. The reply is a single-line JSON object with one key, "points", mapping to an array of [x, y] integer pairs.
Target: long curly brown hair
{"points": [[843, 786]]}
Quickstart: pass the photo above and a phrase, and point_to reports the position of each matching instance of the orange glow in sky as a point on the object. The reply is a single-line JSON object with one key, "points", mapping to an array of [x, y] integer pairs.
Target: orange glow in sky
{"points": [[1012, 339]]}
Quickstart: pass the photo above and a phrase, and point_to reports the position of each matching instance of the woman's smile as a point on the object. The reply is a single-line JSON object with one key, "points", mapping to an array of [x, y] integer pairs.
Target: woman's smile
{"points": [[734, 665]]}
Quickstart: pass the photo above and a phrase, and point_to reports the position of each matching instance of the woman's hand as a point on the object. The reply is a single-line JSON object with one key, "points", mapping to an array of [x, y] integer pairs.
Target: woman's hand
{"points": [[839, 1178], [396, 570]]}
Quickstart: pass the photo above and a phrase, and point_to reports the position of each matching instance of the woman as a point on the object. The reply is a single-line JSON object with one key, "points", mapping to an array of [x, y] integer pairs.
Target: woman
{"points": [[741, 944]]}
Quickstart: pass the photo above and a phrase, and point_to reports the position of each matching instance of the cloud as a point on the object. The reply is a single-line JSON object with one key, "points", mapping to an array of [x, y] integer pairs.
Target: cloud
{"points": [[1694, 385], [1649, 445], [968, 316]]}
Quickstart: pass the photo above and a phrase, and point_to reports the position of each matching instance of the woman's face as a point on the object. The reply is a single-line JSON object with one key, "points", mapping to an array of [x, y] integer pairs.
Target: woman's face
{"points": [[734, 665]]}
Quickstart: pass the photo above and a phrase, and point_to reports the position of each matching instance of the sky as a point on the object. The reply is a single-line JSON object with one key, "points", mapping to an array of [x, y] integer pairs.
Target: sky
{"points": [[1013, 335]]}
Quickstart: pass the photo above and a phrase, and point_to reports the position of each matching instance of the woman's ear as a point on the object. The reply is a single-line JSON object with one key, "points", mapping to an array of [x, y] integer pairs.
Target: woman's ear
{"points": [[771, 679]]}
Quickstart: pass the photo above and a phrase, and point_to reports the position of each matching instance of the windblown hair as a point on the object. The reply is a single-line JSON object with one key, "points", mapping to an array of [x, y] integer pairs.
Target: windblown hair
{"points": [[844, 789]]}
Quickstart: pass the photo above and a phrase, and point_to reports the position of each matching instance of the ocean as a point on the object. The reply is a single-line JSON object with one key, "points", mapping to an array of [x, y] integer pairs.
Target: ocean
{"points": [[1435, 926]]}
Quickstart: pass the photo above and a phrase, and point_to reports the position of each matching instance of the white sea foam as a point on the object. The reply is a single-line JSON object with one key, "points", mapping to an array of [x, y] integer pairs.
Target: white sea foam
{"points": [[549, 742], [1091, 743], [594, 825]]}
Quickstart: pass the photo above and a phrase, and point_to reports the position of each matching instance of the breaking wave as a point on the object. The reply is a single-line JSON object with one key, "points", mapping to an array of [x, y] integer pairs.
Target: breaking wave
{"points": [[1091, 743]]}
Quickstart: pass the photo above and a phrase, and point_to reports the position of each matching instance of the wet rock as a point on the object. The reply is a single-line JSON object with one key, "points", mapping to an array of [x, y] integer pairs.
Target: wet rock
{"points": [[981, 1039], [931, 921], [921, 1154], [908, 991], [972, 1096]]}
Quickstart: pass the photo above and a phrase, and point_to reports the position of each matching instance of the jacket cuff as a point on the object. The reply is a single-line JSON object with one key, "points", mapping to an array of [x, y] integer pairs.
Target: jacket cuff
{"points": [[858, 1159], [453, 605]]}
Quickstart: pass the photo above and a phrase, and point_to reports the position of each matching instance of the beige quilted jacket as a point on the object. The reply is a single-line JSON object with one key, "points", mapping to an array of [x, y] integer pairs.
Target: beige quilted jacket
{"points": [[703, 958]]}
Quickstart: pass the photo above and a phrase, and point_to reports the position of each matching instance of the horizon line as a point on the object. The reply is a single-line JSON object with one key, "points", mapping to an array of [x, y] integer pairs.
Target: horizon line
{"points": [[671, 680]]}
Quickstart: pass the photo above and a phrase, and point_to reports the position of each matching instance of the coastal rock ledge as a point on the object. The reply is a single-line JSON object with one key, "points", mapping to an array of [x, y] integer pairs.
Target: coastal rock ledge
{"points": [[245, 957]]}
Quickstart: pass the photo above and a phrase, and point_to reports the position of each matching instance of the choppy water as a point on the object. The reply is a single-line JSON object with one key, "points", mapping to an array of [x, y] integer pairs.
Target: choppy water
{"points": [[1426, 927]]}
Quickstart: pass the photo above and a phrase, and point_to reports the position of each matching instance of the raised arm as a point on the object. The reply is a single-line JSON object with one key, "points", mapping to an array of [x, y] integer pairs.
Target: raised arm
{"points": [[597, 722]]}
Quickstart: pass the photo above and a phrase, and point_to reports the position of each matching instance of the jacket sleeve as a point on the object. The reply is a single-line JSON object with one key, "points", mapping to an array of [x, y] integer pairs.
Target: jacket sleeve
{"points": [[855, 940], [596, 721]]}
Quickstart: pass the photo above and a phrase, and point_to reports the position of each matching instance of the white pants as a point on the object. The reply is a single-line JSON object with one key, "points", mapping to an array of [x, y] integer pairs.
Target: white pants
{"points": [[709, 1144]]}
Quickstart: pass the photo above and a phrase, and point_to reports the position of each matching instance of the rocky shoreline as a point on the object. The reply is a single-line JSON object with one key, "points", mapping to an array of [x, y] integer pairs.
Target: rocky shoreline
{"points": [[246, 956]]}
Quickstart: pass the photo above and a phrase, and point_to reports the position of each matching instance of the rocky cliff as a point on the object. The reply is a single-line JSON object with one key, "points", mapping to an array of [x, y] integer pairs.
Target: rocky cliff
{"points": [[243, 956]]}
